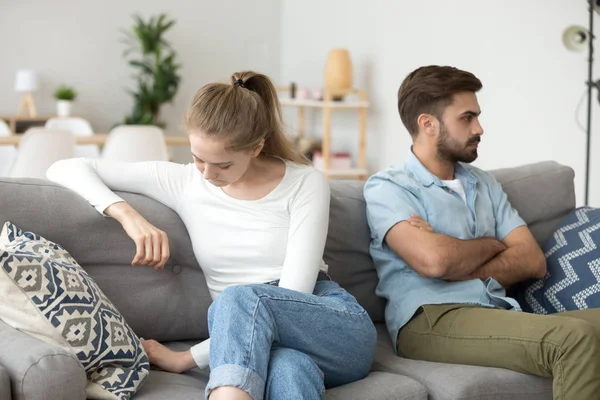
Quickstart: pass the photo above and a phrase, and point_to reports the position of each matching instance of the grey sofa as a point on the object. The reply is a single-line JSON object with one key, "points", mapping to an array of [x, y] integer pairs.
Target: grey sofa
{"points": [[171, 305]]}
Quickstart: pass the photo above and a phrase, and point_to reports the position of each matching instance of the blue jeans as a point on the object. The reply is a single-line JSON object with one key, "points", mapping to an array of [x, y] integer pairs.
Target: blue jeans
{"points": [[281, 344]]}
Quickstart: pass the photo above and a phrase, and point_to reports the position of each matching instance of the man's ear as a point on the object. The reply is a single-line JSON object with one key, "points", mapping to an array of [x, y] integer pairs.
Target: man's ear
{"points": [[428, 124]]}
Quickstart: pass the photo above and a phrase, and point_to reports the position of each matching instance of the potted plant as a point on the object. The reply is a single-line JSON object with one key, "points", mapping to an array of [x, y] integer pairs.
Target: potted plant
{"points": [[64, 96], [158, 73]]}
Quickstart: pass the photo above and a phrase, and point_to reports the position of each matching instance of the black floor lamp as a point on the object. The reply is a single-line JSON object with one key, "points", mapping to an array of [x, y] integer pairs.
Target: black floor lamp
{"points": [[578, 38]]}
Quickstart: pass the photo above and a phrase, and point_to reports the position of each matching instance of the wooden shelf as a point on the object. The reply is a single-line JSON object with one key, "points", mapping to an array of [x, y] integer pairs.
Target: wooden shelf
{"points": [[350, 105], [347, 173], [356, 100]]}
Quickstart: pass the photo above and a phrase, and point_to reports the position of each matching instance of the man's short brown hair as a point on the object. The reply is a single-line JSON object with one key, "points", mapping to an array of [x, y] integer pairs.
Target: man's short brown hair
{"points": [[429, 90]]}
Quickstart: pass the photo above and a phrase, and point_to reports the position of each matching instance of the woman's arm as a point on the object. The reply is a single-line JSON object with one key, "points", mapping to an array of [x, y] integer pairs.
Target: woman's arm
{"points": [[309, 222], [95, 179], [162, 181]]}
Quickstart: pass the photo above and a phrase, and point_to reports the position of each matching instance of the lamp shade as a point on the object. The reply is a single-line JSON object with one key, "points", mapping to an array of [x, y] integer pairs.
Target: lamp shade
{"points": [[576, 38], [26, 81], [338, 71]]}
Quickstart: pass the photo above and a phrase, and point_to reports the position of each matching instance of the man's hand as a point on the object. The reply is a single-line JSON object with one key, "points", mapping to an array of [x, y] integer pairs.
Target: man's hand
{"points": [[420, 223], [523, 259]]}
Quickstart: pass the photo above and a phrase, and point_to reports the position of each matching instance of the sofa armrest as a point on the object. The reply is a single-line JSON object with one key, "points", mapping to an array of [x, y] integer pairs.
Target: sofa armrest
{"points": [[38, 370], [4, 384]]}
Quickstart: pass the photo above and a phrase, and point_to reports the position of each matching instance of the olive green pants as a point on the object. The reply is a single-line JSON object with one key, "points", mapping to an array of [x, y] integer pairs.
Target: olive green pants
{"points": [[565, 346]]}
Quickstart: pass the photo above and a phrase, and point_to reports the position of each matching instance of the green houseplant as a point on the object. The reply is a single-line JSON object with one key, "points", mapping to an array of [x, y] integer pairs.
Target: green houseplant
{"points": [[64, 95], [157, 71]]}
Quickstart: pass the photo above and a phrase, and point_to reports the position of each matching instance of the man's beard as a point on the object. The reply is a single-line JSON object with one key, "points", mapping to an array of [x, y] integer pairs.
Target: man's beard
{"points": [[449, 149]]}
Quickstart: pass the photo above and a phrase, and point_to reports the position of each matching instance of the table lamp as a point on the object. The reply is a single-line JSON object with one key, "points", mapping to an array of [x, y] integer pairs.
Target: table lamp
{"points": [[26, 82]]}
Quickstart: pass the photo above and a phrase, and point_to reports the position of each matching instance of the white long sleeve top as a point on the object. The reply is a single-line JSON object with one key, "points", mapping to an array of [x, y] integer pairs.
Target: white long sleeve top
{"points": [[280, 236]]}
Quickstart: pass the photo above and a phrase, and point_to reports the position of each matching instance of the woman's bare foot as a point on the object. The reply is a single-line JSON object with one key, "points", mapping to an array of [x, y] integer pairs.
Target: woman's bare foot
{"points": [[167, 359]]}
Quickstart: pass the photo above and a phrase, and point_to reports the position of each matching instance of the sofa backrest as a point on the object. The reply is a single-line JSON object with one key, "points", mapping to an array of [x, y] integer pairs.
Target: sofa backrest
{"points": [[172, 304], [543, 193]]}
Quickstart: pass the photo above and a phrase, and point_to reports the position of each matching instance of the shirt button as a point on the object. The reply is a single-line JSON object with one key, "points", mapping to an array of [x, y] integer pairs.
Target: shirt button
{"points": [[176, 269]]}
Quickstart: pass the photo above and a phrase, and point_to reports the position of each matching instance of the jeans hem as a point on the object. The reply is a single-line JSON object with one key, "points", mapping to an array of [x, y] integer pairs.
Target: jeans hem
{"points": [[237, 376]]}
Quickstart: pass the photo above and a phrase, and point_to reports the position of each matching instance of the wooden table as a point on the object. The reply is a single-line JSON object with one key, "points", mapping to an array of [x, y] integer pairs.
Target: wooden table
{"points": [[97, 139], [19, 124]]}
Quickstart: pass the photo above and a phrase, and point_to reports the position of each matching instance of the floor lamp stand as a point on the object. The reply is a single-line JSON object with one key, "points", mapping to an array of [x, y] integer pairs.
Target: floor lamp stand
{"points": [[590, 84]]}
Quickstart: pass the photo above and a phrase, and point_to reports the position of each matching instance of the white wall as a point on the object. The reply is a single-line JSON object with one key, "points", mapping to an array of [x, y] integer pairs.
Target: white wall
{"points": [[78, 43], [532, 84], [309, 30]]}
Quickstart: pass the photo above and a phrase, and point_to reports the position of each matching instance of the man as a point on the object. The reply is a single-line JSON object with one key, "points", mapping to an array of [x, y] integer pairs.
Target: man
{"points": [[446, 243]]}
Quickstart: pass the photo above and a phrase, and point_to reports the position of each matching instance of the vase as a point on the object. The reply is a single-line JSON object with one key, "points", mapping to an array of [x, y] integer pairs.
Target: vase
{"points": [[63, 108], [338, 72]]}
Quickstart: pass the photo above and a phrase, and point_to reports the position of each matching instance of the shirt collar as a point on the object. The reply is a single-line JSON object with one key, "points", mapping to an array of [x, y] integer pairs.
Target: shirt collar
{"points": [[423, 175]]}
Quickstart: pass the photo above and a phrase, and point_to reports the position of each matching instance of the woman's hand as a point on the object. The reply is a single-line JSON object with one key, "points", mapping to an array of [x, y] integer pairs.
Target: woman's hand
{"points": [[420, 223], [152, 244]]}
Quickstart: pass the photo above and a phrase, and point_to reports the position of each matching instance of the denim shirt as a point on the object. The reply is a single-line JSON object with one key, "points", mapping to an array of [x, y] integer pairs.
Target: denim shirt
{"points": [[395, 193]]}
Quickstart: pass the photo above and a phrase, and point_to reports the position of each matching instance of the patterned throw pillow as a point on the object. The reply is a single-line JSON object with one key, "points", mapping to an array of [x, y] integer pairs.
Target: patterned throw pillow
{"points": [[45, 293], [573, 260]]}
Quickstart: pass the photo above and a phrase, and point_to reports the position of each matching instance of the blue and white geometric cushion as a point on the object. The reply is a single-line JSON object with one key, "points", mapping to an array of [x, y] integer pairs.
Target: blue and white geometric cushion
{"points": [[573, 262], [48, 295]]}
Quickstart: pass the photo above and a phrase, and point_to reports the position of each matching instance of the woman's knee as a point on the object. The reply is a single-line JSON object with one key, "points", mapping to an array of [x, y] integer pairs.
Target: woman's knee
{"points": [[284, 359]]}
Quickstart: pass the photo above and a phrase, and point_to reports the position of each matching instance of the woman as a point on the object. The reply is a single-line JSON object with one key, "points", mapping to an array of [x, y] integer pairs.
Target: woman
{"points": [[257, 216]]}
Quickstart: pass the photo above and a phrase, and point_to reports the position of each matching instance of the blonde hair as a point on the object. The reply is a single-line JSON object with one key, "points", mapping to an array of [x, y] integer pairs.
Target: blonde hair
{"points": [[242, 113]]}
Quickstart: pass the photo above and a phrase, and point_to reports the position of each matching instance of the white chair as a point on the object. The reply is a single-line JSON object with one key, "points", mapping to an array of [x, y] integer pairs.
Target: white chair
{"points": [[39, 149], [132, 143], [7, 153], [79, 127]]}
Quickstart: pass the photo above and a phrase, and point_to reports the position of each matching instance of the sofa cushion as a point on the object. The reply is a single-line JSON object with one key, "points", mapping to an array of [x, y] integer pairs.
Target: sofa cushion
{"points": [[347, 248], [543, 193], [573, 261], [190, 385], [4, 384], [45, 293], [461, 382], [376, 386], [162, 385], [380, 385]]}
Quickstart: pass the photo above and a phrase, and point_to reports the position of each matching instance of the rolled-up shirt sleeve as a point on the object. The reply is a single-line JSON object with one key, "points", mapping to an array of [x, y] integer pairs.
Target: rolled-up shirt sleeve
{"points": [[388, 203], [507, 218]]}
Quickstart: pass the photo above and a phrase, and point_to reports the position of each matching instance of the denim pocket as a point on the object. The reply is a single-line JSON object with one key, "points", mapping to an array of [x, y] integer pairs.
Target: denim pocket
{"points": [[324, 288], [336, 297]]}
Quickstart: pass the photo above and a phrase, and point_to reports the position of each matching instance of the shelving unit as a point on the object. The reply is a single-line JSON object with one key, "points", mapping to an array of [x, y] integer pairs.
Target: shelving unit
{"points": [[327, 105]]}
